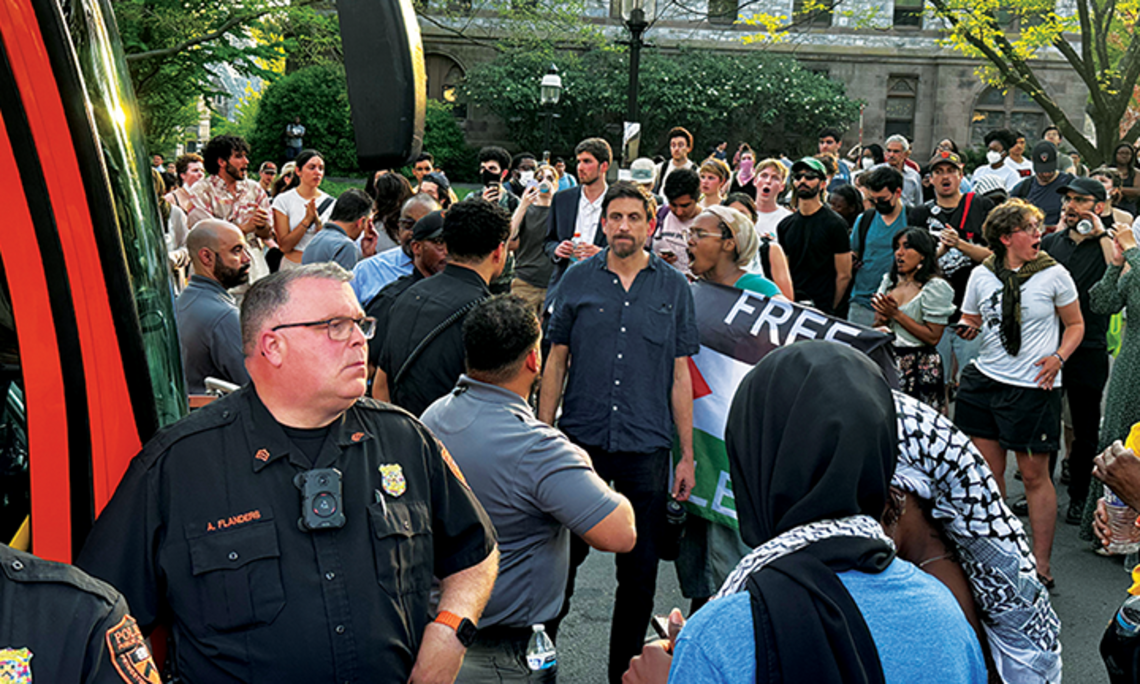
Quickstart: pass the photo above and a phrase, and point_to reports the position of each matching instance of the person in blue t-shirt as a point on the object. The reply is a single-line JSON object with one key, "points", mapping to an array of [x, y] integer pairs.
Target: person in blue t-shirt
{"points": [[872, 244], [811, 439]]}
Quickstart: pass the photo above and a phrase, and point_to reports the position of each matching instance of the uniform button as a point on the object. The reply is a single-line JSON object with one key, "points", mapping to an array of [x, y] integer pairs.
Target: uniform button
{"points": [[330, 576], [17, 565], [233, 555], [623, 328], [615, 408], [619, 356], [225, 414], [627, 303], [615, 281], [617, 382], [407, 525], [340, 629]]}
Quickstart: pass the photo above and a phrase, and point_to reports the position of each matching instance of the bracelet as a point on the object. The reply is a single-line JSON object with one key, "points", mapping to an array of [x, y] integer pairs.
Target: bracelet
{"points": [[1060, 358]]}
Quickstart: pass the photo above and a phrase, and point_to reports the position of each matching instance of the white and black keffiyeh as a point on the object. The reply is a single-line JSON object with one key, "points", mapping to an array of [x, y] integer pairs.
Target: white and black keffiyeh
{"points": [[939, 464], [796, 539]]}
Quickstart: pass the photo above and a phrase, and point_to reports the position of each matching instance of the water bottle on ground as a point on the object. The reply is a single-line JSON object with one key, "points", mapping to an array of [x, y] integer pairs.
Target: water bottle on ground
{"points": [[1120, 645], [540, 651]]}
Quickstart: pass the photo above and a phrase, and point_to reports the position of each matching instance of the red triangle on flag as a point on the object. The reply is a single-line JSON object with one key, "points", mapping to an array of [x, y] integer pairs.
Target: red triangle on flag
{"points": [[700, 387]]}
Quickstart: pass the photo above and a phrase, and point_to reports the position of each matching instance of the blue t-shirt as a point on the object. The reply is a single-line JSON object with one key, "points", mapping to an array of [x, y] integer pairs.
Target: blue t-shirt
{"points": [[920, 631], [877, 256]]}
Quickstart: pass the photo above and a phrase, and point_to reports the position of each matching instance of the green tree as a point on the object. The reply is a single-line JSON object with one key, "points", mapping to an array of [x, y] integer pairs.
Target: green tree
{"points": [[444, 139], [767, 100], [319, 96]]}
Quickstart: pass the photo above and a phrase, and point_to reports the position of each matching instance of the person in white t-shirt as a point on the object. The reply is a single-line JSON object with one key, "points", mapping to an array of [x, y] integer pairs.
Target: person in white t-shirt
{"points": [[299, 213], [1017, 299], [1016, 159], [999, 143]]}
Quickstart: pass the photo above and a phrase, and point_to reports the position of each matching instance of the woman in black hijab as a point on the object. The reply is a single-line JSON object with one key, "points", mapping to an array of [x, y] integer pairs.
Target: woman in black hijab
{"points": [[811, 439]]}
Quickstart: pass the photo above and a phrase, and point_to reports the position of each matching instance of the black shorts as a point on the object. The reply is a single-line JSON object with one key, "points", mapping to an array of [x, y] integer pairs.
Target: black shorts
{"points": [[1023, 419]]}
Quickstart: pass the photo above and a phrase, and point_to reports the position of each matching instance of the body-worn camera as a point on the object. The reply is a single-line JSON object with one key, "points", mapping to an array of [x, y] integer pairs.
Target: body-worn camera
{"points": [[322, 505]]}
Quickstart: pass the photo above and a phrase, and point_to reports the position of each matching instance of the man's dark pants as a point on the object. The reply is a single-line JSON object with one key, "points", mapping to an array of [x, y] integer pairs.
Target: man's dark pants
{"points": [[1083, 379], [644, 480]]}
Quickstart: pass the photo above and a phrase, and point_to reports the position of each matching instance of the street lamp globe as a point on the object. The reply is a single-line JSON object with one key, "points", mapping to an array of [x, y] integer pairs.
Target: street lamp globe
{"points": [[551, 89], [643, 8]]}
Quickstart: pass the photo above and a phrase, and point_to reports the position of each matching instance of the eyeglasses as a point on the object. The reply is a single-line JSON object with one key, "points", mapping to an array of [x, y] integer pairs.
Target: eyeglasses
{"points": [[339, 327], [1067, 199], [1032, 231], [269, 172], [806, 176], [406, 223]]}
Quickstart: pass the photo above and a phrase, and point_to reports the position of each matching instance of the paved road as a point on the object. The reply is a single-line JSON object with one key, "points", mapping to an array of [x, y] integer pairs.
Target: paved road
{"points": [[1089, 590]]}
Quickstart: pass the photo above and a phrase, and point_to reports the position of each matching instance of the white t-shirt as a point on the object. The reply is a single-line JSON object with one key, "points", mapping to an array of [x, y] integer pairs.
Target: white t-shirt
{"points": [[293, 205], [1007, 173], [1041, 296], [766, 222], [1024, 169]]}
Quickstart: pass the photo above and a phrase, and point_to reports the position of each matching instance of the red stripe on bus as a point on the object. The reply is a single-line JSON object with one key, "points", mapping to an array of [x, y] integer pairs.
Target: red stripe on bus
{"points": [[114, 435], [39, 357]]}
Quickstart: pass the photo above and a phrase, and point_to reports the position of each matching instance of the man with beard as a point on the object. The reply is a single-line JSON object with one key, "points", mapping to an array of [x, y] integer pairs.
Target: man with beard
{"points": [[429, 257], [621, 333], [207, 316], [1045, 187], [376, 272], [422, 356], [1086, 253], [957, 219], [536, 486], [573, 232], [815, 242], [228, 195]]}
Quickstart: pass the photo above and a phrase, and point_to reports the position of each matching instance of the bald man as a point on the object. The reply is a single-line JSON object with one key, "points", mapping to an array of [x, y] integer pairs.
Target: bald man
{"points": [[207, 315]]}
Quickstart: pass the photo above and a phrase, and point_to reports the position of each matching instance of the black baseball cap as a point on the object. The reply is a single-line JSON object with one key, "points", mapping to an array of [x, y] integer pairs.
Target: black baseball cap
{"points": [[1044, 157], [1085, 186], [429, 227]]}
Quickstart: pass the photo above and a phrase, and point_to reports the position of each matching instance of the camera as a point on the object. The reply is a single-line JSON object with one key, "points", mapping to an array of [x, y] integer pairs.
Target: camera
{"points": [[322, 504]]}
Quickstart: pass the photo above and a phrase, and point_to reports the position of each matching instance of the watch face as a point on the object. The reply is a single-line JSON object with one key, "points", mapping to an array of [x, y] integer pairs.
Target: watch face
{"points": [[466, 632]]}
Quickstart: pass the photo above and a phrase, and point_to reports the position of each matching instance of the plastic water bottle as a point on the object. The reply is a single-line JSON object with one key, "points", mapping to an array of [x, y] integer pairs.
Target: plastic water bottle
{"points": [[576, 240], [540, 651], [669, 538], [1124, 536], [1120, 645]]}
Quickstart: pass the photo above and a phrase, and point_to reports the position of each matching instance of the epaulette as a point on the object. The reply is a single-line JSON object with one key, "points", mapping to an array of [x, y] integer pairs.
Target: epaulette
{"points": [[213, 415], [25, 568]]}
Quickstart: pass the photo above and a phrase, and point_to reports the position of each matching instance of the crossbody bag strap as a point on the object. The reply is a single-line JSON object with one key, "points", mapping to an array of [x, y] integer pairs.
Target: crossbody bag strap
{"points": [[436, 332]]}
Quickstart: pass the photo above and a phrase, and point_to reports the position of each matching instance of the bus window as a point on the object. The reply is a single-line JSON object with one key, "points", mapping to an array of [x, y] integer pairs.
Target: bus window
{"points": [[15, 499]]}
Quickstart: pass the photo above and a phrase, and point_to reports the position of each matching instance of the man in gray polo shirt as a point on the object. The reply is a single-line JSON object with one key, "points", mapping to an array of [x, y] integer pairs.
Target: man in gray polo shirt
{"points": [[535, 484], [336, 241], [207, 316]]}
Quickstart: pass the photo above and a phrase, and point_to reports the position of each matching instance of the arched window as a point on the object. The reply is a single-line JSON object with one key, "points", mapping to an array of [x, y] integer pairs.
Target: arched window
{"points": [[444, 75], [1013, 110]]}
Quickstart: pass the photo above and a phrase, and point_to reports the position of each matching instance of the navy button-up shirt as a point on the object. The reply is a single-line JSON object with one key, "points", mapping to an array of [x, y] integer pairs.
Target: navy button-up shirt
{"points": [[622, 348]]}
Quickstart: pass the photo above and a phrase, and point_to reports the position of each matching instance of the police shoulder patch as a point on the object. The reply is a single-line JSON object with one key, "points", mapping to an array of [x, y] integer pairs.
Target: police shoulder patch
{"points": [[15, 666], [130, 655]]}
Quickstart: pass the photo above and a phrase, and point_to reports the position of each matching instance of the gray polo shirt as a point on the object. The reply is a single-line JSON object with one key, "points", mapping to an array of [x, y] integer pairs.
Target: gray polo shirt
{"points": [[331, 243], [533, 482], [210, 333]]}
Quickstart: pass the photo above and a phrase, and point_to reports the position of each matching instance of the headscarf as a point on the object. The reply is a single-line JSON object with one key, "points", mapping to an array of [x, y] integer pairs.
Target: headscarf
{"points": [[811, 440], [742, 231]]}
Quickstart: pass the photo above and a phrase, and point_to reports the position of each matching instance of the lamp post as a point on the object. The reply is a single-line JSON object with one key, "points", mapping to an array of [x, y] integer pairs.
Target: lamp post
{"points": [[633, 11], [549, 94]]}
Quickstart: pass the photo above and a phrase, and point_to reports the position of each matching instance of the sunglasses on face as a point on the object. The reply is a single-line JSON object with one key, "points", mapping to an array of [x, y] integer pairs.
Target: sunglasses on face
{"points": [[806, 176]]}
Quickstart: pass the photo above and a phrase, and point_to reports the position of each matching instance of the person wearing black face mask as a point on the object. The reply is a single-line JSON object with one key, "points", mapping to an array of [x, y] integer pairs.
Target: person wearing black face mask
{"points": [[871, 239], [815, 242]]}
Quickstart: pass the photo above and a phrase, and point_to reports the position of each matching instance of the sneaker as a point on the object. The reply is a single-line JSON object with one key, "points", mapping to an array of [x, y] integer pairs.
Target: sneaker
{"points": [[1075, 513], [1020, 507], [1065, 475]]}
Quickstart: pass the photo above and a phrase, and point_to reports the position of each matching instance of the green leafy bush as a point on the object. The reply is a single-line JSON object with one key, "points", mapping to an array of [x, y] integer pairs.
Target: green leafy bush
{"points": [[444, 139], [318, 94], [767, 100]]}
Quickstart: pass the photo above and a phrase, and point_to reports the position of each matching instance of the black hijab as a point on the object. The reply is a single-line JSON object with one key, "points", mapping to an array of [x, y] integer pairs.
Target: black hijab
{"points": [[811, 436]]}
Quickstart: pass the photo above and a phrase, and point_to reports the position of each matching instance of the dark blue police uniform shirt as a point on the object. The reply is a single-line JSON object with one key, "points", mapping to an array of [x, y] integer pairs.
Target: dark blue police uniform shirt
{"points": [[622, 349]]}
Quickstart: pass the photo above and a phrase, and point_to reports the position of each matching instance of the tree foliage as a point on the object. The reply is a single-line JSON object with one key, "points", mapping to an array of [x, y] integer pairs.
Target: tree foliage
{"points": [[319, 95], [769, 101], [511, 25], [444, 139]]}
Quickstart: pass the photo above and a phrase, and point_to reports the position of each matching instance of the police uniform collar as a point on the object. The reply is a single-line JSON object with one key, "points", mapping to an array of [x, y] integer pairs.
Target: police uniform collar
{"points": [[269, 442], [464, 273]]}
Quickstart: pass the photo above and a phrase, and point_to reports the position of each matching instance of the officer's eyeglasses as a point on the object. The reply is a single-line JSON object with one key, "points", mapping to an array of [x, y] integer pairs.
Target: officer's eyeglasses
{"points": [[339, 327]]}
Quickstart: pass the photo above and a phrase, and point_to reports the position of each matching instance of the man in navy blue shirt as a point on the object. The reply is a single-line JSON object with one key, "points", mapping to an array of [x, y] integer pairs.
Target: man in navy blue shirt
{"points": [[621, 334]]}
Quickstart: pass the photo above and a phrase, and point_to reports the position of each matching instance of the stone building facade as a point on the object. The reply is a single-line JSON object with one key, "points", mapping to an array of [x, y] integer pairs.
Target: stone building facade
{"points": [[892, 61]]}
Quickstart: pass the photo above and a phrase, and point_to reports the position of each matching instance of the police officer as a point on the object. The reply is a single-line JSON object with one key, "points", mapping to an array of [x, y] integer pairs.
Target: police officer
{"points": [[59, 625], [536, 485], [290, 531]]}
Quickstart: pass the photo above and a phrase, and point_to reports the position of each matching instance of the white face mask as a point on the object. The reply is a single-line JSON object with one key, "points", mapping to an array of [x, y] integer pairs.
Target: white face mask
{"points": [[868, 162], [526, 176], [993, 157]]}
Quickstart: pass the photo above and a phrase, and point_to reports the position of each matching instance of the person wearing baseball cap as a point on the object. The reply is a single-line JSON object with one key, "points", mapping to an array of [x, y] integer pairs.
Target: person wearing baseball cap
{"points": [[1083, 246], [815, 241], [956, 219], [1043, 188]]}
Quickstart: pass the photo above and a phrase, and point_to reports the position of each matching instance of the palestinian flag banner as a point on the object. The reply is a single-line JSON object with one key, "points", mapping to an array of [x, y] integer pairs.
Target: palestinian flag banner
{"points": [[737, 329]]}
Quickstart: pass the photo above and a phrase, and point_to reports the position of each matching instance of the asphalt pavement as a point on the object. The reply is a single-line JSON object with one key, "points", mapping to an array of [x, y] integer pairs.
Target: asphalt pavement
{"points": [[1089, 590]]}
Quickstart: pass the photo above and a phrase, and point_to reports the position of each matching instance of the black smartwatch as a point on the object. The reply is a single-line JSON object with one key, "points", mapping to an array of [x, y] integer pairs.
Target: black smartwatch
{"points": [[464, 629]]}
